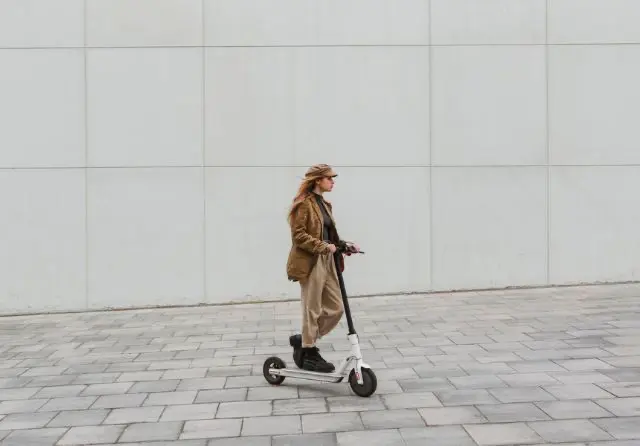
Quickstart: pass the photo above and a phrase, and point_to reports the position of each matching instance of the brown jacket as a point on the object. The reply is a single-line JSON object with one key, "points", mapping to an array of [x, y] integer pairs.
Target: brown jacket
{"points": [[306, 238]]}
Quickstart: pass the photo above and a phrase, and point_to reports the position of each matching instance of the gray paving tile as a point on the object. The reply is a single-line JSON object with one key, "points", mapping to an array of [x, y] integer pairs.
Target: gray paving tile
{"points": [[186, 412], [627, 428], [513, 412], [621, 407], [170, 398], [144, 432], [239, 409], [521, 395], [299, 406], [242, 441], [566, 431], [388, 437], [573, 409], [302, 440], [451, 415], [91, 434], [73, 403], [79, 418], [502, 434], [437, 436], [577, 392], [17, 421], [33, 437], [276, 425], [392, 419], [331, 422], [134, 415]]}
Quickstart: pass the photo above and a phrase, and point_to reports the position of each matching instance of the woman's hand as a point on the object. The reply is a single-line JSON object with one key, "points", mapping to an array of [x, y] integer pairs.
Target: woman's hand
{"points": [[332, 248]]}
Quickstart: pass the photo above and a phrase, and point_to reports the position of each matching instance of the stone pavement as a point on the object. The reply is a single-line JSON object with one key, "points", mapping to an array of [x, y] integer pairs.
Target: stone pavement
{"points": [[551, 366]]}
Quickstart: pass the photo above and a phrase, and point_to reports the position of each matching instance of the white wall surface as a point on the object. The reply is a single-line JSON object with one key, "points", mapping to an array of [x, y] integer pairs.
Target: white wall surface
{"points": [[149, 149]]}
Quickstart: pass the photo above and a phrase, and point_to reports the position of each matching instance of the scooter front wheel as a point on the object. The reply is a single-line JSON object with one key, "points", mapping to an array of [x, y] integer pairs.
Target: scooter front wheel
{"points": [[369, 382], [273, 363]]}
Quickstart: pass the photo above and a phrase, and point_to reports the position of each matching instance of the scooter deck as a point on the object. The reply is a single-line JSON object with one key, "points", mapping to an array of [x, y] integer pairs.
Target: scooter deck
{"points": [[305, 374]]}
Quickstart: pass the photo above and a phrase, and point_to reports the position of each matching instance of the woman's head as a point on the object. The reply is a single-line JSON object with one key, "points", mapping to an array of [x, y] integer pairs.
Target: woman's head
{"points": [[321, 176], [318, 179]]}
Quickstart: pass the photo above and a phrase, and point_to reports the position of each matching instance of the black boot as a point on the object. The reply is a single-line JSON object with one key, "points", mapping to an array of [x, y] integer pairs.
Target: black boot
{"points": [[313, 362], [295, 341]]}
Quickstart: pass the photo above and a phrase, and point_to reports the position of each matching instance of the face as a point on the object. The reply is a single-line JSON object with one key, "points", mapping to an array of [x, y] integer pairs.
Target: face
{"points": [[325, 184]]}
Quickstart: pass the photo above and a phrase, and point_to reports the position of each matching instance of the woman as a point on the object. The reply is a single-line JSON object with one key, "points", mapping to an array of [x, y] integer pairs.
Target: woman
{"points": [[311, 262]]}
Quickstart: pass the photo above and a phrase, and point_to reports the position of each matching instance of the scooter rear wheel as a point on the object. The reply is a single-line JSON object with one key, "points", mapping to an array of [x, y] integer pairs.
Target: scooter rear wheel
{"points": [[369, 383], [273, 363]]}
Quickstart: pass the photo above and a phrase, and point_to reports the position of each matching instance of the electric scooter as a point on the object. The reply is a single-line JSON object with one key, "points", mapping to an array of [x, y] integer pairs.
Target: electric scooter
{"points": [[361, 378]]}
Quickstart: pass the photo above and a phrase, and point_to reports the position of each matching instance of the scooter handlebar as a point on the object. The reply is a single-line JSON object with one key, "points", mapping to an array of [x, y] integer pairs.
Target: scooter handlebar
{"points": [[348, 250]]}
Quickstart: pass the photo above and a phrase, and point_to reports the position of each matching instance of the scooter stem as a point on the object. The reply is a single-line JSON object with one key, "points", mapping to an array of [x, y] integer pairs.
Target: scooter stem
{"points": [[345, 299]]}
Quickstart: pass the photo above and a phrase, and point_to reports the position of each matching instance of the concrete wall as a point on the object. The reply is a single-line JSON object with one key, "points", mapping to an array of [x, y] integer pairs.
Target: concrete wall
{"points": [[150, 148]]}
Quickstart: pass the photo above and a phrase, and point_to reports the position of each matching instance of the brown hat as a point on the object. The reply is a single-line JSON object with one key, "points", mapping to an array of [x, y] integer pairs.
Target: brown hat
{"points": [[319, 171]]}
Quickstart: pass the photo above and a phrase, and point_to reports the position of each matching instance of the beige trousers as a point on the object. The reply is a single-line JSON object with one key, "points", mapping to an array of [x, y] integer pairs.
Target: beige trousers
{"points": [[322, 306]]}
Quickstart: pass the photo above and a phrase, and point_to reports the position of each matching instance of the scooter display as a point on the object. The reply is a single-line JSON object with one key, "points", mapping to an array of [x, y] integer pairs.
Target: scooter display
{"points": [[361, 378]]}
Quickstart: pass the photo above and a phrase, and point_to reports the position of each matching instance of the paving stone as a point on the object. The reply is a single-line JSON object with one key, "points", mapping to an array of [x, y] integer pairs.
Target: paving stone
{"points": [[171, 398], [272, 393], [202, 383], [582, 377], [134, 415], [211, 428], [244, 441], [392, 419], [584, 364], [577, 392], [437, 435], [139, 376], [411, 400], [528, 379], [299, 406], [569, 430], [331, 422], [239, 409], [91, 434], [18, 393], [119, 401], [477, 382], [622, 389], [573, 409], [390, 437], [425, 385], [161, 386], [350, 404], [218, 396], [521, 395], [300, 440], [621, 407], [21, 406], [627, 428], [465, 397], [79, 418], [190, 412], [74, 403], [106, 389], [275, 425], [451, 415], [152, 431], [509, 413], [536, 366], [502, 434], [25, 421], [33, 437]]}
